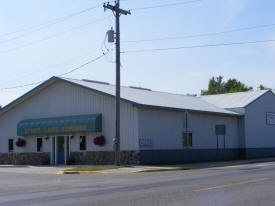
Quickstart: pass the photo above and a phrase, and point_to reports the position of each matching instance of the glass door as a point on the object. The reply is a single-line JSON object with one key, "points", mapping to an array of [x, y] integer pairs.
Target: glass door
{"points": [[61, 149]]}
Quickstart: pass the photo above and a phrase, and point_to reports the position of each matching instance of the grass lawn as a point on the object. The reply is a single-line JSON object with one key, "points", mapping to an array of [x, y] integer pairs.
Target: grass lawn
{"points": [[94, 168]]}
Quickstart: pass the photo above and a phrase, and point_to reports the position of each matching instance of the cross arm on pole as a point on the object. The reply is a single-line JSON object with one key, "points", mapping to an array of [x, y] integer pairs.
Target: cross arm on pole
{"points": [[115, 8]]}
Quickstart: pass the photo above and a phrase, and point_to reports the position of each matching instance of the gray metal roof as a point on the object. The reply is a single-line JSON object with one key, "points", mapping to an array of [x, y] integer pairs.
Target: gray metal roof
{"points": [[234, 100], [142, 97]]}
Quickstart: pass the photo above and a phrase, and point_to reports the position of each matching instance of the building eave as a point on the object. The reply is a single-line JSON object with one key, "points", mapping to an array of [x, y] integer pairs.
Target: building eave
{"points": [[54, 79], [267, 91], [27, 95], [190, 110]]}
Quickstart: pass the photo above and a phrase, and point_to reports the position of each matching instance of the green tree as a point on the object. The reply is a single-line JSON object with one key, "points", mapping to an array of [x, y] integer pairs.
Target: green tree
{"points": [[262, 87], [218, 86], [233, 85], [215, 86]]}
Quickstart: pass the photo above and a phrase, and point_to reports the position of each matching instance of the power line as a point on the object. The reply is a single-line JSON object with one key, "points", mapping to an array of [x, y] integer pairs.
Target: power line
{"points": [[73, 70], [61, 19], [42, 70], [83, 65], [165, 5], [51, 22], [200, 46], [23, 85], [201, 35], [52, 36]]}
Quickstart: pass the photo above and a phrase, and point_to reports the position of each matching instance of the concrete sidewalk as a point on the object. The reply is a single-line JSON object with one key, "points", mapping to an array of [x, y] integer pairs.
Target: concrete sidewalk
{"points": [[170, 167]]}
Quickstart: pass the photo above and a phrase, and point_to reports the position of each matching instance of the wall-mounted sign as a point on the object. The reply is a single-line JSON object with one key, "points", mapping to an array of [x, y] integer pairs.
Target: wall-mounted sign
{"points": [[270, 118], [145, 142]]}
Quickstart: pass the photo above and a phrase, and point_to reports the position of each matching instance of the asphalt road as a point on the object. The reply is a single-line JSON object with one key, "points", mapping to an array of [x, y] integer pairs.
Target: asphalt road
{"points": [[245, 185]]}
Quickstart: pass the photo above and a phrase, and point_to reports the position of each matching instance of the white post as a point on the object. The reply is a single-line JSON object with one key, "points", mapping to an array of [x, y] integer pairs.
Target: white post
{"points": [[69, 145], [52, 150], [65, 149], [56, 150]]}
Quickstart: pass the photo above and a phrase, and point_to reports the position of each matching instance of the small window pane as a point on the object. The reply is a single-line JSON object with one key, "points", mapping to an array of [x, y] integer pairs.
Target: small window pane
{"points": [[187, 139], [10, 145], [39, 144], [82, 142], [185, 144], [190, 140]]}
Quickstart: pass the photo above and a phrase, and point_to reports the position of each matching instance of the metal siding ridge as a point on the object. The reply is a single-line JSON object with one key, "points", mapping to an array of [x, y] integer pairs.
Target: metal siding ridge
{"points": [[155, 106], [95, 90], [25, 96], [135, 104], [190, 110], [267, 91]]}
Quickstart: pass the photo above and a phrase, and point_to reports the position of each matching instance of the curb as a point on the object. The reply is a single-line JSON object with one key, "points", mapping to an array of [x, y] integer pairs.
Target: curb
{"points": [[79, 172], [228, 164], [165, 169], [158, 169]]}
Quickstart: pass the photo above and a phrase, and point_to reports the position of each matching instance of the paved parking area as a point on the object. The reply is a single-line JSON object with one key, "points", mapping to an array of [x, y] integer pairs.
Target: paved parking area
{"points": [[31, 169], [131, 169], [241, 185]]}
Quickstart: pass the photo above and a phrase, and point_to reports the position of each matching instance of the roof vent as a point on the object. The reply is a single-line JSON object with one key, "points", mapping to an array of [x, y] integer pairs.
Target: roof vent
{"points": [[141, 88], [93, 81]]}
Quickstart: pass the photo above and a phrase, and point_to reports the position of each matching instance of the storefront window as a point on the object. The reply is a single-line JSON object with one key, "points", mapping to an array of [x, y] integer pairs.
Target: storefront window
{"points": [[39, 144], [10, 145], [82, 142]]}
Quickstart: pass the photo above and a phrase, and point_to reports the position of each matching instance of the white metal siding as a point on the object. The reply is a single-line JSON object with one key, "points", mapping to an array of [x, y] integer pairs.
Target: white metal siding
{"points": [[165, 129], [204, 131], [258, 133], [63, 99]]}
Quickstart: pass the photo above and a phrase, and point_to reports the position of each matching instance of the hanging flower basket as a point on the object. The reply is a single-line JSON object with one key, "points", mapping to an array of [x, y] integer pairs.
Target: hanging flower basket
{"points": [[20, 142], [100, 140]]}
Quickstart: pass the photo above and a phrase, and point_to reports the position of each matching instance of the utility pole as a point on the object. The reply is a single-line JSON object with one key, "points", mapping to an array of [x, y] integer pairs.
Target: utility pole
{"points": [[116, 9]]}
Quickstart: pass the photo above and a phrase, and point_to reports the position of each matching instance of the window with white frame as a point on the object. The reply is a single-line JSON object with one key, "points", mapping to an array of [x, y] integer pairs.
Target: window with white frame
{"points": [[39, 142], [187, 138], [10, 145], [82, 142]]}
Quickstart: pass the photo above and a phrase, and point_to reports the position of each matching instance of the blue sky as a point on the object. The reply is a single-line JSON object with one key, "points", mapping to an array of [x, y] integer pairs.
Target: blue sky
{"points": [[180, 71]]}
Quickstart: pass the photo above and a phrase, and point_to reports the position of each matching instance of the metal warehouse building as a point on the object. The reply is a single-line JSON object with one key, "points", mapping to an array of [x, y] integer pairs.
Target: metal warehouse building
{"points": [[66, 119]]}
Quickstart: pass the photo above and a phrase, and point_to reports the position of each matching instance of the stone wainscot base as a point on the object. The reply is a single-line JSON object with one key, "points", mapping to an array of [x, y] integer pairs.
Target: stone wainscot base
{"points": [[127, 157], [142, 156], [22, 158]]}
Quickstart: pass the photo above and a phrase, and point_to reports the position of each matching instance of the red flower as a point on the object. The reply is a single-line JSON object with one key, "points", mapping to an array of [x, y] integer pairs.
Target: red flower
{"points": [[100, 141], [20, 142]]}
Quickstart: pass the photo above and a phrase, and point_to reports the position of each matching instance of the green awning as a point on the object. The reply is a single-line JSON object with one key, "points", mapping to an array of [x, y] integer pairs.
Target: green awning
{"points": [[60, 125]]}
